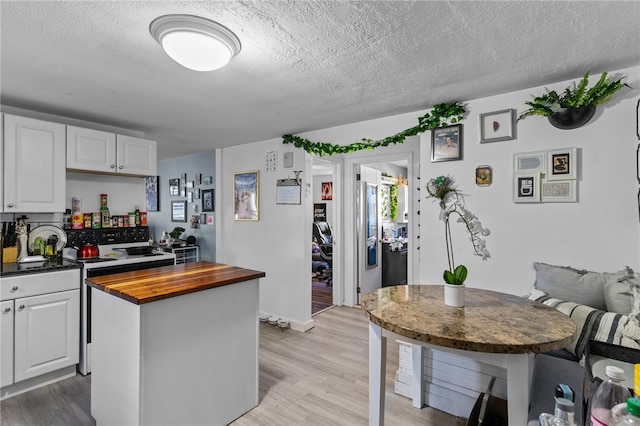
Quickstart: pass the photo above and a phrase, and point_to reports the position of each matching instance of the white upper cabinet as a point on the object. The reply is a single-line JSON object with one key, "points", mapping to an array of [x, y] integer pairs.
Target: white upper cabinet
{"points": [[91, 150], [103, 152], [34, 165], [137, 156]]}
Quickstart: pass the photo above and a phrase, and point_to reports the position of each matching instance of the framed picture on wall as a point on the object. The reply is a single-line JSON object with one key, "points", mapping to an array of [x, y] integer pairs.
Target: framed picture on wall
{"points": [[484, 175], [446, 143], [327, 191], [208, 200], [174, 187], [372, 225], [178, 211], [562, 164], [558, 191], [151, 193], [526, 188], [246, 203], [529, 162], [498, 126]]}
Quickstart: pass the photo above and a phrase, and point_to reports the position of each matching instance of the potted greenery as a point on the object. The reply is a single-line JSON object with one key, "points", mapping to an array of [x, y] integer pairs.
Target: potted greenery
{"points": [[175, 236], [575, 106], [451, 202]]}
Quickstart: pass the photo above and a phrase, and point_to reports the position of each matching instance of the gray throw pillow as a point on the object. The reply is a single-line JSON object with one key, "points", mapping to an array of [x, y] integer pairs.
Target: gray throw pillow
{"points": [[618, 294], [574, 285]]}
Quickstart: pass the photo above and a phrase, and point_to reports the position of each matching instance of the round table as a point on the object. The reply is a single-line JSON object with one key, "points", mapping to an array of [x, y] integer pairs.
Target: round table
{"points": [[497, 328]]}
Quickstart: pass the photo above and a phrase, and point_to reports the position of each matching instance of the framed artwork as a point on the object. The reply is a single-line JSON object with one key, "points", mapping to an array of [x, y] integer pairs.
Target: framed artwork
{"points": [[484, 175], [198, 178], [246, 202], [203, 218], [174, 187], [208, 180], [372, 225], [183, 192], [327, 191], [190, 184], [196, 194], [446, 143], [526, 188], [208, 200], [558, 191], [183, 178], [178, 211], [529, 162], [151, 193], [189, 197], [498, 126], [562, 164]]}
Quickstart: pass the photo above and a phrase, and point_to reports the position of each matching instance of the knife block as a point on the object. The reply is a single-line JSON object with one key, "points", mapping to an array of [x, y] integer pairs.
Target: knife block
{"points": [[10, 254]]}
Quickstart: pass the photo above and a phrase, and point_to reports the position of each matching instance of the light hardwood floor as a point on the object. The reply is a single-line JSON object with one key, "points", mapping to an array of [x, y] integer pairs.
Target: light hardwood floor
{"points": [[315, 378]]}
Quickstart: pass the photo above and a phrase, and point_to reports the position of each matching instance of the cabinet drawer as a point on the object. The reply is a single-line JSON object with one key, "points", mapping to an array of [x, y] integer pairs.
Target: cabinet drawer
{"points": [[35, 284]]}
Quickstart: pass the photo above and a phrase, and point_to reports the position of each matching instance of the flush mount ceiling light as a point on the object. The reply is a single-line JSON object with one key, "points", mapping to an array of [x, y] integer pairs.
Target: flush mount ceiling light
{"points": [[194, 42]]}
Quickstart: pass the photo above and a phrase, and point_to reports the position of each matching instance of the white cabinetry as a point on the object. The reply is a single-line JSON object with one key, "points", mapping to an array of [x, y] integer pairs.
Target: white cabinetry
{"points": [[40, 323], [103, 152], [34, 165], [6, 343]]}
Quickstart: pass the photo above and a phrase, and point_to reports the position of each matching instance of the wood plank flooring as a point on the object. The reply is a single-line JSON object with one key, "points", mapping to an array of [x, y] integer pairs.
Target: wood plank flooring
{"points": [[315, 378], [321, 296]]}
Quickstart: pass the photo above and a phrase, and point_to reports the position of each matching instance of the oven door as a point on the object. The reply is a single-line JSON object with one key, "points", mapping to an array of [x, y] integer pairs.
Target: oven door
{"points": [[85, 321]]}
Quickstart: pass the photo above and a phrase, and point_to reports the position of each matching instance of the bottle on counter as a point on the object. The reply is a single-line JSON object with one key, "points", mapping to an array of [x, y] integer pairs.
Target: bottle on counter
{"points": [[143, 218], [66, 219], [137, 216], [104, 212], [132, 219], [610, 393]]}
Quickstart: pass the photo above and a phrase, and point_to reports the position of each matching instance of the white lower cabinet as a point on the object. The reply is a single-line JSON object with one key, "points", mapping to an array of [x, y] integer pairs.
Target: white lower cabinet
{"points": [[6, 343], [40, 326]]}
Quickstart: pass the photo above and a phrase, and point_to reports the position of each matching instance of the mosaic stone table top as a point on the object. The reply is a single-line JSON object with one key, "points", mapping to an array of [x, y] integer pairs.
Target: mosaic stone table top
{"points": [[489, 322]]}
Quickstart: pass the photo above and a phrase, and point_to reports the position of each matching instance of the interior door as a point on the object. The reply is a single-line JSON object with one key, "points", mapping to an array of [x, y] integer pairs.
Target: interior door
{"points": [[368, 231]]}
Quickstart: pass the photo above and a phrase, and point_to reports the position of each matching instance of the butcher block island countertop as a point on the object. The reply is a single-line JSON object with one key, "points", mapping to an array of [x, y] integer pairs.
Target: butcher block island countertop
{"points": [[174, 345], [150, 285]]}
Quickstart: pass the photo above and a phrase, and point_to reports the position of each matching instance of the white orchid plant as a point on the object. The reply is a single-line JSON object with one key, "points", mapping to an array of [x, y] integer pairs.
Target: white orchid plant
{"points": [[443, 190]]}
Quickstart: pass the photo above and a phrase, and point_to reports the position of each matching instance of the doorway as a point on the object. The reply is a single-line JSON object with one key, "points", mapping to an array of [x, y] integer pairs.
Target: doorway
{"points": [[326, 208], [382, 224]]}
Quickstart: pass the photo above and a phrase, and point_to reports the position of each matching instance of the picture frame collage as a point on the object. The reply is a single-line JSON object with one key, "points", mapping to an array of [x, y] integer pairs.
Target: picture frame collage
{"points": [[192, 192], [549, 176]]}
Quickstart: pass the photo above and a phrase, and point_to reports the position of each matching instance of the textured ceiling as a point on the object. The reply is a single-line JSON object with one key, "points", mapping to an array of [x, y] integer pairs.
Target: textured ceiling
{"points": [[304, 65]]}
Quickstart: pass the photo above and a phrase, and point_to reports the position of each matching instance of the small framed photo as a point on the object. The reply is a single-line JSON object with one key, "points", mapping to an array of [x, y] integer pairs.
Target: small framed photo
{"points": [[198, 178], [174, 187], [246, 203], [196, 194], [183, 192], [559, 191], [183, 178], [189, 197], [498, 126], [562, 164], [526, 188], [208, 180], [190, 184], [446, 143], [484, 175], [529, 162], [207, 200], [203, 218], [178, 211]]}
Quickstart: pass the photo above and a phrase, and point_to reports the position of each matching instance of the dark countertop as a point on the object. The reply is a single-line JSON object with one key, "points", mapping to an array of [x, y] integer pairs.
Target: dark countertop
{"points": [[13, 269], [150, 285]]}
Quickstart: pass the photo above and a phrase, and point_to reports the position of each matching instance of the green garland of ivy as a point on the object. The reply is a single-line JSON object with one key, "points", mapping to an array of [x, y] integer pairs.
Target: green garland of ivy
{"points": [[393, 202], [441, 115]]}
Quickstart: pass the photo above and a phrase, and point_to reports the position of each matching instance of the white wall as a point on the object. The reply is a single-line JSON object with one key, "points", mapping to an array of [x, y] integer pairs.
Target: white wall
{"points": [[599, 233], [279, 244]]}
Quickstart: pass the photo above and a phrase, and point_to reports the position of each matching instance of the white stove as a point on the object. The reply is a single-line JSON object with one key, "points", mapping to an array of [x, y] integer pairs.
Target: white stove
{"points": [[112, 244]]}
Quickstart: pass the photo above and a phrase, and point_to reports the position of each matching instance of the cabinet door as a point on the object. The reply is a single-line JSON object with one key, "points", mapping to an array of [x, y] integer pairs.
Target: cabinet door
{"points": [[1, 162], [137, 156], [46, 333], [6, 343], [91, 150], [34, 165]]}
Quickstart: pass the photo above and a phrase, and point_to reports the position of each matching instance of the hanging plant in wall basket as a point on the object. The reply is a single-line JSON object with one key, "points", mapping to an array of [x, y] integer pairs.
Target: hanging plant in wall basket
{"points": [[576, 106], [441, 115]]}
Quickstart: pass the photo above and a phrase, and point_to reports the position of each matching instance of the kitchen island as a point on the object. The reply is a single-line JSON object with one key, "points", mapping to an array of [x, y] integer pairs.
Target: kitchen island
{"points": [[175, 345]]}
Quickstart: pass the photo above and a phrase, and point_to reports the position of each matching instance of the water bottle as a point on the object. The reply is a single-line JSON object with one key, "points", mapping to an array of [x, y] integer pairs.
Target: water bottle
{"points": [[610, 393], [626, 414], [563, 414]]}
